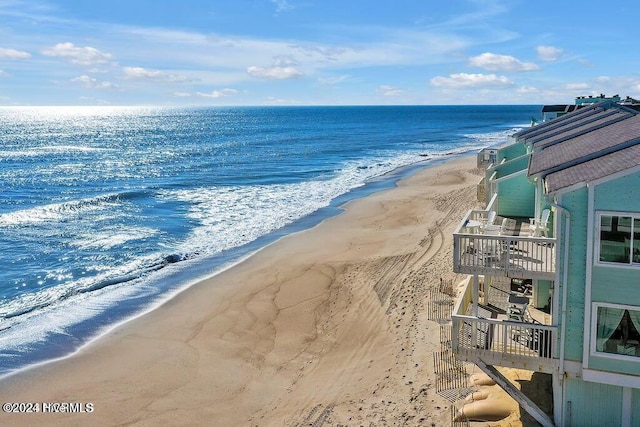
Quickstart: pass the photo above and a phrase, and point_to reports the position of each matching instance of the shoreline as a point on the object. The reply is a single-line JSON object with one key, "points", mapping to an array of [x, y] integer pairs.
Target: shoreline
{"points": [[241, 345], [205, 268]]}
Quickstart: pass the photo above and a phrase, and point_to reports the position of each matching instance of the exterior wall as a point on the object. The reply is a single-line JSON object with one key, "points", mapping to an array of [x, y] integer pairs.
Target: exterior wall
{"points": [[587, 100], [576, 203], [618, 286], [635, 407], [517, 197], [592, 404], [512, 166], [612, 283], [608, 195], [512, 151]]}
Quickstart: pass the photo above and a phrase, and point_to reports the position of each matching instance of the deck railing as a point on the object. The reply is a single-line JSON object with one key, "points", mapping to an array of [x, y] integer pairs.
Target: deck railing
{"points": [[501, 342], [512, 256], [502, 337]]}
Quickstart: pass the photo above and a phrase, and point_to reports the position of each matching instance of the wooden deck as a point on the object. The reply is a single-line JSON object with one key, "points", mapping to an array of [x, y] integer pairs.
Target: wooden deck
{"points": [[494, 339], [504, 343], [512, 254]]}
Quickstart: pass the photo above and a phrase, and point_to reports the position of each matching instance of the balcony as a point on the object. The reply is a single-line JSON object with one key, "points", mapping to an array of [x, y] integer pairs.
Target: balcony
{"points": [[491, 338], [511, 254]]}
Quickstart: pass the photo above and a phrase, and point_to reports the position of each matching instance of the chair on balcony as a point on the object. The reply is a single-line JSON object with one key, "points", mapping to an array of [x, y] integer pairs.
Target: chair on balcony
{"points": [[538, 226], [517, 308], [491, 216], [517, 312], [490, 251], [508, 227], [488, 220]]}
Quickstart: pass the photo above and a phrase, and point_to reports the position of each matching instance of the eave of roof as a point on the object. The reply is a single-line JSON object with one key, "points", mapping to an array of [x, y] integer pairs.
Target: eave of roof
{"points": [[593, 170], [579, 127], [558, 108], [559, 121], [585, 147]]}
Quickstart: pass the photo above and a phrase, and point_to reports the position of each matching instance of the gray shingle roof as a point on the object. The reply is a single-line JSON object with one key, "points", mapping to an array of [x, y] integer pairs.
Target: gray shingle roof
{"points": [[594, 169], [559, 123], [561, 120], [585, 147], [578, 127]]}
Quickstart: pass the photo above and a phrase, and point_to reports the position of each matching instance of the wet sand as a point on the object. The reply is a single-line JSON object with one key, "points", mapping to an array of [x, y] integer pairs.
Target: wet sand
{"points": [[324, 327]]}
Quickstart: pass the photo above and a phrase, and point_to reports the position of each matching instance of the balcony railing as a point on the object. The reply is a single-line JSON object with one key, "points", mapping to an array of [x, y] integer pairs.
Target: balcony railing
{"points": [[521, 345], [507, 255]]}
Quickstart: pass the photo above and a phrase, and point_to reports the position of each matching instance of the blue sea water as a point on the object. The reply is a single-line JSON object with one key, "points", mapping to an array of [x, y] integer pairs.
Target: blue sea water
{"points": [[107, 211]]}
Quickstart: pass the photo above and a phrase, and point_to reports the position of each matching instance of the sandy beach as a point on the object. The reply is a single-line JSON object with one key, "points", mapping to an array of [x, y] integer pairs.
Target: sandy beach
{"points": [[325, 327]]}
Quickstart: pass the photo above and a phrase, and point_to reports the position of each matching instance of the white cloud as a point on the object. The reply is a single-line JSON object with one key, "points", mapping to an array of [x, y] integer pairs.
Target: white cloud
{"points": [[281, 5], [92, 83], [603, 79], [585, 62], [139, 73], [243, 57], [275, 72], [464, 80], [218, 93], [333, 80], [181, 94], [576, 86], [79, 55], [3, 73], [493, 62], [527, 90], [549, 53], [13, 54], [387, 90]]}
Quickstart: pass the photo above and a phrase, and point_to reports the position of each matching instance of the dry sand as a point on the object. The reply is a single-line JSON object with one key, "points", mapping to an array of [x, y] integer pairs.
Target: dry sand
{"points": [[324, 327]]}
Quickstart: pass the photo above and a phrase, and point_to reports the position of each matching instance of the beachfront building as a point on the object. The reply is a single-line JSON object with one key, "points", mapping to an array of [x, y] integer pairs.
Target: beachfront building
{"points": [[554, 266]]}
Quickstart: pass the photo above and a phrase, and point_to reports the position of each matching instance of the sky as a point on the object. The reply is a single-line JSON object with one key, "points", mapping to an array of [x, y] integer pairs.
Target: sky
{"points": [[315, 52]]}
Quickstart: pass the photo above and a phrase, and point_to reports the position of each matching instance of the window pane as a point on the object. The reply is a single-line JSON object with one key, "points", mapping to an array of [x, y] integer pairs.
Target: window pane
{"points": [[617, 331], [615, 239]]}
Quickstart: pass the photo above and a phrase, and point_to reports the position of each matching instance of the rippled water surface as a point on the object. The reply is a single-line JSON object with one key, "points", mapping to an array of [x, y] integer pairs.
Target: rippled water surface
{"points": [[105, 211]]}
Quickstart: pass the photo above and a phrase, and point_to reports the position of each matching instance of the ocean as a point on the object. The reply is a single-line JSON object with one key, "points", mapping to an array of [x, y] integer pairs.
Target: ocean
{"points": [[106, 212]]}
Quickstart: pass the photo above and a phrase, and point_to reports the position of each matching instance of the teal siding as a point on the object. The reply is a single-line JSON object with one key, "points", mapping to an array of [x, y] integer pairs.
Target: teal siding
{"points": [[517, 197], [622, 194], [635, 407], [576, 203], [609, 364], [512, 151], [613, 284], [616, 285], [517, 165], [592, 404]]}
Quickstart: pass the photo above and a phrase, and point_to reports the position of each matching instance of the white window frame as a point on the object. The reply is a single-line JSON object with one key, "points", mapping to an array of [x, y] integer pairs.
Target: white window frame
{"points": [[594, 331], [596, 252]]}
